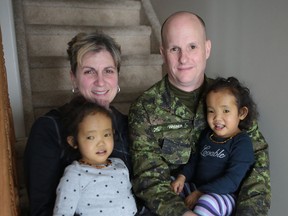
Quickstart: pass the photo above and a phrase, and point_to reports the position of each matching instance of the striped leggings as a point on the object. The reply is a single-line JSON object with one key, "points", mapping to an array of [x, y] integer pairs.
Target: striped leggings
{"points": [[212, 204]]}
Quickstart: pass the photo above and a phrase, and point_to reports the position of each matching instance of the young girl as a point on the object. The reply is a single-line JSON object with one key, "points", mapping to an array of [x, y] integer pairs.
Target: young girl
{"points": [[224, 154], [95, 184]]}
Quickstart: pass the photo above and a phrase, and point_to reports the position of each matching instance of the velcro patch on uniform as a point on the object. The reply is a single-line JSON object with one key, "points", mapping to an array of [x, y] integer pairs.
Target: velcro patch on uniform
{"points": [[167, 127]]}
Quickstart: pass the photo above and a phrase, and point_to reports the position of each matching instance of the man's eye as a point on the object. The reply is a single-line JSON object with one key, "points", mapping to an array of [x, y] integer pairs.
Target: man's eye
{"points": [[175, 49], [193, 47]]}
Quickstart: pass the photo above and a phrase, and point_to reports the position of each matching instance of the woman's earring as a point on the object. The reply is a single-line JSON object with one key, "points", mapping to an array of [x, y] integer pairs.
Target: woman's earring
{"points": [[75, 90], [118, 89]]}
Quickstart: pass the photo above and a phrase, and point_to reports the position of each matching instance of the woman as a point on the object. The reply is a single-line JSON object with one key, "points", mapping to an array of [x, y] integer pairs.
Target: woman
{"points": [[95, 63]]}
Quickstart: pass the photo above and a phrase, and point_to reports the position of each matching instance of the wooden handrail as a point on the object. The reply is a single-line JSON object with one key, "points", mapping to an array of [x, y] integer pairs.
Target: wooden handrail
{"points": [[8, 188]]}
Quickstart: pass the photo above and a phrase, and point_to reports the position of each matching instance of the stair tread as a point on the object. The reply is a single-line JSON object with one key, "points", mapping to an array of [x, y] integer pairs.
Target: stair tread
{"points": [[84, 12], [62, 61], [131, 4], [40, 29]]}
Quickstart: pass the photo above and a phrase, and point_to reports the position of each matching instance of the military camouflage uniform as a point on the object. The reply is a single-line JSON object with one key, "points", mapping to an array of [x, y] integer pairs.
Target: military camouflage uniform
{"points": [[163, 133]]}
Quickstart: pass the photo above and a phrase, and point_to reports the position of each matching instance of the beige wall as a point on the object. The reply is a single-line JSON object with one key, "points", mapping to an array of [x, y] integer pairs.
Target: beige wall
{"points": [[249, 40], [11, 64]]}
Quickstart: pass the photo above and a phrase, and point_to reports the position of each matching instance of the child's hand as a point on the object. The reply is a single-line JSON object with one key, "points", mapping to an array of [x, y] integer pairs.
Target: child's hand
{"points": [[178, 184], [192, 199], [189, 213]]}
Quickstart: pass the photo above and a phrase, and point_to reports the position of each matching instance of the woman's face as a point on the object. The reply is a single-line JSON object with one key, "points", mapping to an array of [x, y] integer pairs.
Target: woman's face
{"points": [[97, 77]]}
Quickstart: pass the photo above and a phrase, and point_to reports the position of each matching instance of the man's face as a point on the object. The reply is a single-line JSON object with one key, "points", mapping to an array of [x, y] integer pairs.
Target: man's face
{"points": [[185, 51]]}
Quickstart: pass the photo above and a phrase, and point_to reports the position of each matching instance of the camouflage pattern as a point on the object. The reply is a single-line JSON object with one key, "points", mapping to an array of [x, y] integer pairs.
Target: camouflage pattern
{"points": [[163, 133]]}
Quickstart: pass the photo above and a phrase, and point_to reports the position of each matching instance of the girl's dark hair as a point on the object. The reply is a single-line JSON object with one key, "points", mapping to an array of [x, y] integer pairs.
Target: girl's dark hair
{"points": [[73, 113], [242, 95]]}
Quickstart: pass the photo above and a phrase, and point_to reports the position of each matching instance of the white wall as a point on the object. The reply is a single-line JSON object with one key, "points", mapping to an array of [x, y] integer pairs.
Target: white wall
{"points": [[11, 63], [249, 41]]}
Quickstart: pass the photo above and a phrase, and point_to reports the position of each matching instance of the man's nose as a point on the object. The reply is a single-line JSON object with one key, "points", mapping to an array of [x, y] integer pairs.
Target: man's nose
{"points": [[183, 56]]}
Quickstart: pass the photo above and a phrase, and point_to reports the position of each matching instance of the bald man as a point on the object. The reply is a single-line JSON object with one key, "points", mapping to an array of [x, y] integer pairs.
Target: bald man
{"points": [[166, 121]]}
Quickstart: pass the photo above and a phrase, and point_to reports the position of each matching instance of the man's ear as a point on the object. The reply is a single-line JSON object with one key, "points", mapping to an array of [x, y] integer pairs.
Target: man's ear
{"points": [[161, 49], [243, 112], [207, 48], [70, 140]]}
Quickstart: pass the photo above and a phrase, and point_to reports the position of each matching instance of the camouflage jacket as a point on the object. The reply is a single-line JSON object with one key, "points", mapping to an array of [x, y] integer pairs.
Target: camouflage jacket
{"points": [[163, 133]]}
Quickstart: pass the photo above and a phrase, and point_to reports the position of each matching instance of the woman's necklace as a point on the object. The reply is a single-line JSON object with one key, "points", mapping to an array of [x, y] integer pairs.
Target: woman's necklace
{"points": [[219, 142], [100, 166]]}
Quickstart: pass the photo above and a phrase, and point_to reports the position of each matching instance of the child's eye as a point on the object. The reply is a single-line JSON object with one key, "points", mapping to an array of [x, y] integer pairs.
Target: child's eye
{"points": [[107, 134], [210, 111], [90, 137], [226, 111]]}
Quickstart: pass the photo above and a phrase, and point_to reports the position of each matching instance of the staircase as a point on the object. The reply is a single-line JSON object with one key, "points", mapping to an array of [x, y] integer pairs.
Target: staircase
{"points": [[43, 29]]}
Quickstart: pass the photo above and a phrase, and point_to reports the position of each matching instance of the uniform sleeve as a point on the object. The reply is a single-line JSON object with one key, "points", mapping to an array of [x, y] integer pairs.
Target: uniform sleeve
{"points": [[255, 193], [42, 166], [151, 181]]}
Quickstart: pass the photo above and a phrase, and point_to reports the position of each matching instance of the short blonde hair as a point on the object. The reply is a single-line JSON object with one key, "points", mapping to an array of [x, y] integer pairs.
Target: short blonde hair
{"points": [[83, 43]]}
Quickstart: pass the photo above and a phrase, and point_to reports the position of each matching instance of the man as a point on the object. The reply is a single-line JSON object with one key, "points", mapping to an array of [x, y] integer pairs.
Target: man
{"points": [[166, 121]]}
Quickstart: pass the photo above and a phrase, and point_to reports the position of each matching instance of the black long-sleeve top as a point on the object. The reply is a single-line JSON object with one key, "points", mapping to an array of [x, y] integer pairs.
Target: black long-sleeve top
{"points": [[220, 166], [46, 157]]}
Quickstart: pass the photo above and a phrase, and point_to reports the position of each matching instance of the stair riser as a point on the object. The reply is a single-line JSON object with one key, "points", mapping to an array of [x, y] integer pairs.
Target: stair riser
{"points": [[85, 16], [123, 107], [131, 77], [56, 45]]}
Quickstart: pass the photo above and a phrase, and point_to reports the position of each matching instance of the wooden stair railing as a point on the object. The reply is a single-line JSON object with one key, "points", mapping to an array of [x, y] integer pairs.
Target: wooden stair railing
{"points": [[8, 187]]}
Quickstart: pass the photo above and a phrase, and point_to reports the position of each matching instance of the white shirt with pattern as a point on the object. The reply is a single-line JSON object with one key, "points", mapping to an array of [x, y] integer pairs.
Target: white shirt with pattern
{"points": [[88, 191]]}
